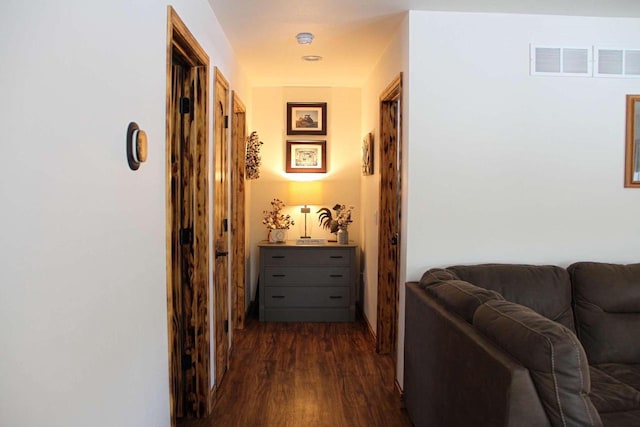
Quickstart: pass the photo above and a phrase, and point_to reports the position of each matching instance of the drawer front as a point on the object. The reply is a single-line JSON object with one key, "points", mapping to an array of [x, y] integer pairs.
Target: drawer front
{"points": [[334, 314], [306, 256], [307, 276], [284, 296]]}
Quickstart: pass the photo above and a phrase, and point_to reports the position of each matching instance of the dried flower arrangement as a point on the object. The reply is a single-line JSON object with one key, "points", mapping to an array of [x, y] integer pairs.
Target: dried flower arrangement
{"points": [[343, 215], [253, 160], [275, 219], [341, 220]]}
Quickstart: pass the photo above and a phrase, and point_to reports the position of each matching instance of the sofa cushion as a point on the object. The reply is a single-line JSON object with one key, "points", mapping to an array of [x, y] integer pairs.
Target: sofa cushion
{"points": [[462, 298], [627, 373], [614, 387], [607, 307], [621, 419], [436, 275], [552, 353], [544, 288]]}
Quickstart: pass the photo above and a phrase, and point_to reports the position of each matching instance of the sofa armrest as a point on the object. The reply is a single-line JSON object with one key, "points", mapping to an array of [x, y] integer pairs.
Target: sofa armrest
{"points": [[556, 361], [454, 376]]}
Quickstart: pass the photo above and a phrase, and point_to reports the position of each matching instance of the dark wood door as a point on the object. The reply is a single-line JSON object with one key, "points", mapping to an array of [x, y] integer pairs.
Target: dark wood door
{"points": [[390, 216], [188, 293]]}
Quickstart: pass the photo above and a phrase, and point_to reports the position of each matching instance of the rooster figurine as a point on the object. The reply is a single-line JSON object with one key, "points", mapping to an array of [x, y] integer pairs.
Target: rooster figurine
{"points": [[326, 219]]}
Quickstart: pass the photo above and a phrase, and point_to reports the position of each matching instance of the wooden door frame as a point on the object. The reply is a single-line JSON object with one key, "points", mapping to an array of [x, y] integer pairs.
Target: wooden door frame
{"points": [[181, 41], [388, 293], [238, 164]]}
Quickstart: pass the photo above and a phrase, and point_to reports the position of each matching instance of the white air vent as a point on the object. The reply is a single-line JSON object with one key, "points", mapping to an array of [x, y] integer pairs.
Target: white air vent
{"points": [[632, 63], [560, 61], [617, 62]]}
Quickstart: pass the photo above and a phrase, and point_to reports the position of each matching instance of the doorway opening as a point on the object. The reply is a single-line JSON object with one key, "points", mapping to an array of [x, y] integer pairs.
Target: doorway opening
{"points": [[187, 222]]}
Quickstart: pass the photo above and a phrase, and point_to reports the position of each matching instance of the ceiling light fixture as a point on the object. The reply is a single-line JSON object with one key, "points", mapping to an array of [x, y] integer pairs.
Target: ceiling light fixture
{"points": [[304, 38], [312, 58]]}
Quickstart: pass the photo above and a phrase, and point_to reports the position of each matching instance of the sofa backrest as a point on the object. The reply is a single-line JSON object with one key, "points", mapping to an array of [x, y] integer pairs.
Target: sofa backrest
{"points": [[544, 288], [607, 307], [461, 297], [552, 353]]}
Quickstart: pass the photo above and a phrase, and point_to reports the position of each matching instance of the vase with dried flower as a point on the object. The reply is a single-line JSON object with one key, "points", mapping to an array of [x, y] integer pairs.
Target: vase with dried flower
{"points": [[277, 223], [338, 224]]}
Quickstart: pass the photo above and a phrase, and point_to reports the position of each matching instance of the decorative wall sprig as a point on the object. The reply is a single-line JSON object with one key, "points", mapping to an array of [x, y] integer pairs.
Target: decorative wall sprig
{"points": [[253, 160]]}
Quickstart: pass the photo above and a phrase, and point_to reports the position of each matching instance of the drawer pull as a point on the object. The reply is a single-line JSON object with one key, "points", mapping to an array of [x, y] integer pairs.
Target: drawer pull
{"points": [[335, 275], [278, 275], [335, 297], [277, 256], [336, 256], [277, 296]]}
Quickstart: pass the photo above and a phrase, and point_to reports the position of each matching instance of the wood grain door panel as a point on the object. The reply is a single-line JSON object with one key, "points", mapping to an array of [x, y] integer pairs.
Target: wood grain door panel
{"points": [[221, 226], [238, 236], [390, 217], [187, 222]]}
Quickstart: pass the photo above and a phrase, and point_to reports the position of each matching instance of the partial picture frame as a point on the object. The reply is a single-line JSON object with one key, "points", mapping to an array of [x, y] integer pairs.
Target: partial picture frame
{"points": [[306, 118], [306, 157], [632, 145], [367, 154]]}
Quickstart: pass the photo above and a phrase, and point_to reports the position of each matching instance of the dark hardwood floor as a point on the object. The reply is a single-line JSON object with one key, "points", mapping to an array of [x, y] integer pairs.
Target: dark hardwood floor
{"points": [[306, 374]]}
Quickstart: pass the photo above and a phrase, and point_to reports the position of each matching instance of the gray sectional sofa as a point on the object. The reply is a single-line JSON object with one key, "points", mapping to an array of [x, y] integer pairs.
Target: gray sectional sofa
{"points": [[523, 345]]}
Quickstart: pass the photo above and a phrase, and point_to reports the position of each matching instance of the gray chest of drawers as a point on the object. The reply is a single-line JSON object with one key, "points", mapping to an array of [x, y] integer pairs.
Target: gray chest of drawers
{"points": [[307, 283]]}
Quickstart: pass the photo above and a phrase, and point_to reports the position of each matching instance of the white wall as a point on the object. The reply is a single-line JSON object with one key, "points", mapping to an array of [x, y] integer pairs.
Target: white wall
{"points": [[83, 319], [505, 167], [341, 183]]}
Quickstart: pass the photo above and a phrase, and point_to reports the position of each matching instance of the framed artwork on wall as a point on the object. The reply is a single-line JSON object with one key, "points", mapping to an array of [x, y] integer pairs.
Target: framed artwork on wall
{"points": [[306, 157], [632, 151], [367, 154], [306, 118]]}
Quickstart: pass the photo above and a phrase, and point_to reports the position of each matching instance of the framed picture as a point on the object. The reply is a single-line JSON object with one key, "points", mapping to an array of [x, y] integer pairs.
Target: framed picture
{"points": [[306, 156], [632, 156], [306, 118], [367, 154]]}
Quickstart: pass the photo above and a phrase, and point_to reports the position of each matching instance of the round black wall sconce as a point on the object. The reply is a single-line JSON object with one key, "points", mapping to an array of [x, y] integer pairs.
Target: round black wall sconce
{"points": [[136, 146]]}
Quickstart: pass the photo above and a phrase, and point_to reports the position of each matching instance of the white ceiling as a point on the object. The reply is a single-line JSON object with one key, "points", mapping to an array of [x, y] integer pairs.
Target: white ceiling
{"points": [[350, 35]]}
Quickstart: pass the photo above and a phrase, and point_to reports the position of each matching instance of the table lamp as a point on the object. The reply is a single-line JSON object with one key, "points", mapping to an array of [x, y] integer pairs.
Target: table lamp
{"points": [[305, 193]]}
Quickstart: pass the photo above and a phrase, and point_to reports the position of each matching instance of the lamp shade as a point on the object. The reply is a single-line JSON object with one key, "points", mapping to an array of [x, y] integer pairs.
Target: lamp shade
{"points": [[305, 193]]}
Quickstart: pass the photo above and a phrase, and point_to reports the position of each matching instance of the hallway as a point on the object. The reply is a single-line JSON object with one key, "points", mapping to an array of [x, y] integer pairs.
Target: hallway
{"points": [[306, 374]]}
